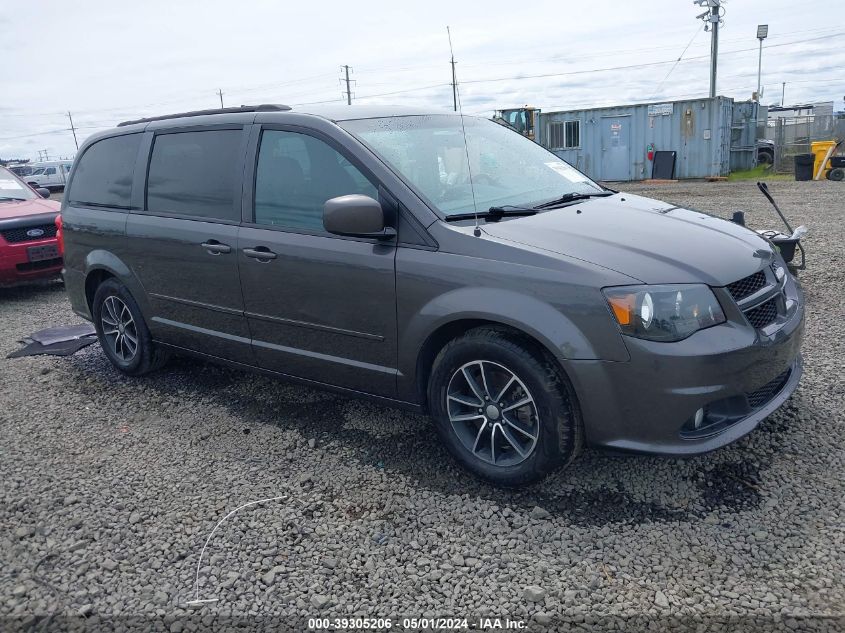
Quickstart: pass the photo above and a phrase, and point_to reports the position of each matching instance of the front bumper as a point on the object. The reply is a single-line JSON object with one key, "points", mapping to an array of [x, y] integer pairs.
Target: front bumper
{"points": [[15, 267], [736, 373]]}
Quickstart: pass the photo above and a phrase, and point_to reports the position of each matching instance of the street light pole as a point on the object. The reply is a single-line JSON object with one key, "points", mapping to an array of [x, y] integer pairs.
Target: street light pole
{"points": [[762, 33]]}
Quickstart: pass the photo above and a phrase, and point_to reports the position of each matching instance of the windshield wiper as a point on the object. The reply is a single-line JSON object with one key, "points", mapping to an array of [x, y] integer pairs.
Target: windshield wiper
{"points": [[494, 214], [6, 198], [571, 197]]}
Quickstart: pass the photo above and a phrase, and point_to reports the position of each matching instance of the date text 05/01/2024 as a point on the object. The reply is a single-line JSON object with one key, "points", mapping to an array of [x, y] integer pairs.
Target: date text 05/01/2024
{"points": [[415, 624]]}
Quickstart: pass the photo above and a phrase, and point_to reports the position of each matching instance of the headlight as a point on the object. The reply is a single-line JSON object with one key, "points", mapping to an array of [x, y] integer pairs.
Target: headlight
{"points": [[664, 313]]}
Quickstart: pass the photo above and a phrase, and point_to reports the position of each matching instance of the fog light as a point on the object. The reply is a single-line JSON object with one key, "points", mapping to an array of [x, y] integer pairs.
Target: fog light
{"points": [[699, 418]]}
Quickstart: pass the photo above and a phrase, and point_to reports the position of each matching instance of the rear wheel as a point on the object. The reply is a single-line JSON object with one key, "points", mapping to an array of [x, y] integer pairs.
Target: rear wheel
{"points": [[122, 331], [503, 408], [836, 174]]}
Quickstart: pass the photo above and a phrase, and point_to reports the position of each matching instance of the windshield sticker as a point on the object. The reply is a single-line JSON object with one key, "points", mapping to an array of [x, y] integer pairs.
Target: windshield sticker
{"points": [[10, 184], [566, 171]]}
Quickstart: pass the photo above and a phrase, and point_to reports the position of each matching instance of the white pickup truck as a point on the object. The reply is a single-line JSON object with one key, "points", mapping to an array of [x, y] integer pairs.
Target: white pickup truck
{"points": [[51, 175]]}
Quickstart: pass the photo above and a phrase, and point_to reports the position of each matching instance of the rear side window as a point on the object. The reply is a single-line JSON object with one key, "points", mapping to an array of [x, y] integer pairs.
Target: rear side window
{"points": [[194, 173], [104, 175]]}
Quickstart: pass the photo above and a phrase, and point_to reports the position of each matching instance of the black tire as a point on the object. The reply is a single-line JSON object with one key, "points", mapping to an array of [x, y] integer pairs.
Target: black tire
{"points": [[553, 414], [837, 174], [146, 356], [765, 158]]}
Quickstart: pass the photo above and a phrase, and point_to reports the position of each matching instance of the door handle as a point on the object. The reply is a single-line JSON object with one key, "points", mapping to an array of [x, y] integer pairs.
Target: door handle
{"points": [[216, 248], [261, 253]]}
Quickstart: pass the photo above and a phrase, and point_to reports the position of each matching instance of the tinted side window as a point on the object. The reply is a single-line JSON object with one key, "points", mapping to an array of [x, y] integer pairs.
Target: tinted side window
{"points": [[104, 175], [296, 174], [50, 171], [194, 173]]}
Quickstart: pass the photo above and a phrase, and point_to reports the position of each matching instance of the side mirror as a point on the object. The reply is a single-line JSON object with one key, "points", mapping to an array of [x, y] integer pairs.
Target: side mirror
{"points": [[356, 216], [43, 192]]}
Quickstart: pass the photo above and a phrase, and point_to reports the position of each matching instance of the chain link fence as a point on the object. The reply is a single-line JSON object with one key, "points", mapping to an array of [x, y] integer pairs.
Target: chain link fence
{"points": [[793, 136]]}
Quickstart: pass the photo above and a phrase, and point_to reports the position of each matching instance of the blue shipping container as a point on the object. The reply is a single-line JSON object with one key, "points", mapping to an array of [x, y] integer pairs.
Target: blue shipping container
{"points": [[710, 136]]}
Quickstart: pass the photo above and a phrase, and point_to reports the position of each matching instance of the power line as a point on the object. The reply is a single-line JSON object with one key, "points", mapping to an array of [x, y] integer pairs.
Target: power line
{"points": [[397, 92], [643, 65], [675, 62], [680, 57]]}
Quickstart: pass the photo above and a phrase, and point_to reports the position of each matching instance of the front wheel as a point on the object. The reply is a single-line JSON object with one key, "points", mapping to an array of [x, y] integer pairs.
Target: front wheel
{"points": [[503, 407], [122, 331]]}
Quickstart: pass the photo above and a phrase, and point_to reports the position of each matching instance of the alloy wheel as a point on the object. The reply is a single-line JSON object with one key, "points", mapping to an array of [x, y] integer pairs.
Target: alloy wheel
{"points": [[492, 412], [119, 328]]}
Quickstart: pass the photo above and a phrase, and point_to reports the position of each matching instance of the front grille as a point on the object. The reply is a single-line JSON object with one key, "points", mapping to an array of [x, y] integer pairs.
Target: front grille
{"points": [[764, 394], [747, 285], [14, 236], [763, 314], [42, 265]]}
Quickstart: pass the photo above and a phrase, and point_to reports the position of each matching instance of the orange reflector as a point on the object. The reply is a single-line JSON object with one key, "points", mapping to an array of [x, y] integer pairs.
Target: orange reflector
{"points": [[623, 307]]}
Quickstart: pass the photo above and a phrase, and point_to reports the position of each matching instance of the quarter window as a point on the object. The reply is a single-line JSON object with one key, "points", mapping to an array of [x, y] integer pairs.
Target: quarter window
{"points": [[296, 174], [104, 175], [194, 173]]}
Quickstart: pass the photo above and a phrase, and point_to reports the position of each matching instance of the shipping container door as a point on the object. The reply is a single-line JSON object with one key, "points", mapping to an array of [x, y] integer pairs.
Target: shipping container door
{"points": [[615, 148]]}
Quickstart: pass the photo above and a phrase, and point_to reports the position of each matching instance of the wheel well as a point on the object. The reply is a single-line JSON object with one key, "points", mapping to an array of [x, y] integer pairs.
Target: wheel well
{"points": [[92, 282], [438, 339]]}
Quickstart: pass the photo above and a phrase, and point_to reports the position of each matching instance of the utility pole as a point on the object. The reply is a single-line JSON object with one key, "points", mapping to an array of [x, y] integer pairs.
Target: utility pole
{"points": [[714, 45], [782, 93], [711, 18], [348, 92], [454, 82], [73, 129], [762, 33], [220, 94]]}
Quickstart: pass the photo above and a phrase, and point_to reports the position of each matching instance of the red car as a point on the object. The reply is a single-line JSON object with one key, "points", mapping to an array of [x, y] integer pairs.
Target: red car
{"points": [[29, 246]]}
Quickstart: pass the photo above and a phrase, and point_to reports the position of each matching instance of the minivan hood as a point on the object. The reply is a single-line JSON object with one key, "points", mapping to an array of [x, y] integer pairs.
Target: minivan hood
{"points": [[11, 209], [652, 241]]}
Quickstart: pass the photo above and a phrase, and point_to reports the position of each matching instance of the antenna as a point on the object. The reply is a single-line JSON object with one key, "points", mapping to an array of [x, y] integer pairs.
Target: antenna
{"points": [[477, 230]]}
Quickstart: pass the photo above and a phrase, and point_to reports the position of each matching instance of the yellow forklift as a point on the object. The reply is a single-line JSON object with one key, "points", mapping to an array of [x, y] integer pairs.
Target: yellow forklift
{"points": [[522, 120]]}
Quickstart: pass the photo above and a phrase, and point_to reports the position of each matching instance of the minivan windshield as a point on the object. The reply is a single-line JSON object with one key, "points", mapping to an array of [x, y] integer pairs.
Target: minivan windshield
{"points": [[11, 187], [506, 168]]}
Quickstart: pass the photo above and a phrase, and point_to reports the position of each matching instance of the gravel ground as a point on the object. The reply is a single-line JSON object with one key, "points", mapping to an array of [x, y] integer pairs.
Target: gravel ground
{"points": [[111, 486]]}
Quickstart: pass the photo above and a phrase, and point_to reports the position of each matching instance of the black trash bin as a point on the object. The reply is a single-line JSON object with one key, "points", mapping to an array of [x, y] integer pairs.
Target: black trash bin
{"points": [[804, 166]]}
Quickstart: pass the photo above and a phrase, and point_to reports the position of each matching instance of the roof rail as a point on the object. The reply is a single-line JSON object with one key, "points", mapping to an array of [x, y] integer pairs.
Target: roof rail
{"points": [[264, 107]]}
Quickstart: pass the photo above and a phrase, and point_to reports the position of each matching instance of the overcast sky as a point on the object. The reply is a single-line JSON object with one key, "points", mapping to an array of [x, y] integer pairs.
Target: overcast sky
{"points": [[110, 61]]}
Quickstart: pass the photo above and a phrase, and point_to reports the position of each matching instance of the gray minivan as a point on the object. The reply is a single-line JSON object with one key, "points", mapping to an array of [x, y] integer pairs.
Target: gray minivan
{"points": [[435, 262]]}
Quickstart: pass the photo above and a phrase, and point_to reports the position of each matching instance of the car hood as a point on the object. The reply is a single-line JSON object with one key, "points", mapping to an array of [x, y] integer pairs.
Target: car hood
{"points": [[652, 241], [27, 207]]}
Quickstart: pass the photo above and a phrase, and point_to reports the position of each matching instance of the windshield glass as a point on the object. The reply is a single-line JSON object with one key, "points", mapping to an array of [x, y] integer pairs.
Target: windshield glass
{"points": [[507, 168], [12, 187], [21, 170], [37, 172]]}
